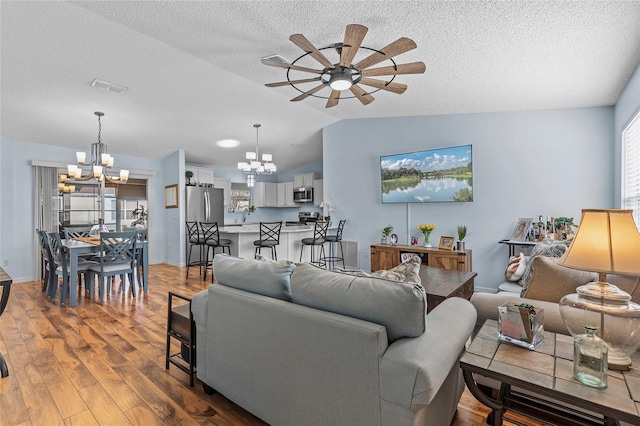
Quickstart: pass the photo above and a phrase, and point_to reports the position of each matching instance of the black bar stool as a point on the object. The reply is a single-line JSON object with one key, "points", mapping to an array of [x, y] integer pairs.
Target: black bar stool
{"points": [[319, 234], [333, 240], [211, 236], [195, 239], [269, 238]]}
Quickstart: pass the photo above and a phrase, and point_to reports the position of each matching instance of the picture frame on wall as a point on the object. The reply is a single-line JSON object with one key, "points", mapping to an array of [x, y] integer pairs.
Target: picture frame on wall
{"points": [[446, 243], [171, 196], [521, 230]]}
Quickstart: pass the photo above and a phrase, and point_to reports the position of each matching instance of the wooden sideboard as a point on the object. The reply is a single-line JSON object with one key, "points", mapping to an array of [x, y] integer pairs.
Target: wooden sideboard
{"points": [[386, 256]]}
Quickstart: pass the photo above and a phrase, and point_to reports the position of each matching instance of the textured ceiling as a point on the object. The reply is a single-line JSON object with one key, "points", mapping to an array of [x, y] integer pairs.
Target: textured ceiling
{"points": [[194, 75]]}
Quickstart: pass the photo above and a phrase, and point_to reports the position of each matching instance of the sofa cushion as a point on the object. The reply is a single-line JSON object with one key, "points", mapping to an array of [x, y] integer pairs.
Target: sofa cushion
{"points": [[408, 271], [400, 307], [550, 281], [266, 277]]}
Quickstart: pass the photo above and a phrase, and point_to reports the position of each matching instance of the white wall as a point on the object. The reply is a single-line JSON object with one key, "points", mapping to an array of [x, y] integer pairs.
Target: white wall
{"points": [[17, 209], [525, 164]]}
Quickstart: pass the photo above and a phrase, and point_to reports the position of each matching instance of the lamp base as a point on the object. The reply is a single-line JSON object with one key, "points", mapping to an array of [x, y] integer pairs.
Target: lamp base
{"points": [[618, 361]]}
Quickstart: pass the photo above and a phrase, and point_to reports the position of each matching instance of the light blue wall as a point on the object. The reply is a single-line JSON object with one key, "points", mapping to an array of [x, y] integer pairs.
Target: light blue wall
{"points": [[525, 164], [174, 218], [626, 108], [17, 208]]}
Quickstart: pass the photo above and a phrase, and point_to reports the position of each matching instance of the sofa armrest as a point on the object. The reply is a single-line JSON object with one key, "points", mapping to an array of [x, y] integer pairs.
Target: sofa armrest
{"points": [[487, 304], [424, 362]]}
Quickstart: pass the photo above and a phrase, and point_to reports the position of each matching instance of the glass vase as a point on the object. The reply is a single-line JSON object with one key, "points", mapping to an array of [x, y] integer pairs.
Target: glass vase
{"points": [[426, 241], [590, 358]]}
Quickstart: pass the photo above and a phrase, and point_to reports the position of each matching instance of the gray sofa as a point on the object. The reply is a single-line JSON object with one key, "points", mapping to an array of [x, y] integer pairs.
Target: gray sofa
{"points": [[296, 344]]}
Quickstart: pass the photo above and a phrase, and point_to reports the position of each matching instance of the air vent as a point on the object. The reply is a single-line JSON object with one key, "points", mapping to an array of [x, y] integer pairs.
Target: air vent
{"points": [[274, 60], [105, 85]]}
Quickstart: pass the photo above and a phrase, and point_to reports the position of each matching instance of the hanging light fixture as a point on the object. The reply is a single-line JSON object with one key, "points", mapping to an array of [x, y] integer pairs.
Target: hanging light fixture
{"points": [[100, 162], [254, 166]]}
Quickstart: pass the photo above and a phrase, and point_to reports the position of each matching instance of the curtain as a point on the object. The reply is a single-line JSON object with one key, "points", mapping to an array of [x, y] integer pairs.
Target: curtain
{"points": [[46, 208]]}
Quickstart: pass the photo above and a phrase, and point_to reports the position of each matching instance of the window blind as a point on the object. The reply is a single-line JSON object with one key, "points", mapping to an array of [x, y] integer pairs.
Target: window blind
{"points": [[631, 168]]}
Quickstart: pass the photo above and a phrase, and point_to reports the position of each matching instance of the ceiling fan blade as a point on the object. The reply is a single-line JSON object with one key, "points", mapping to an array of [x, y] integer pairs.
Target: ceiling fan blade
{"points": [[362, 96], [353, 36], [295, 67], [286, 83], [410, 68], [304, 44], [333, 99], [305, 95], [399, 46], [398, 88]]}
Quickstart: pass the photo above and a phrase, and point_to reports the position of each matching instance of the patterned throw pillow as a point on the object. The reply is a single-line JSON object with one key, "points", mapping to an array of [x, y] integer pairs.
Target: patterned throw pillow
{"points": [[546, 247], [516, 267], [408, 271]]}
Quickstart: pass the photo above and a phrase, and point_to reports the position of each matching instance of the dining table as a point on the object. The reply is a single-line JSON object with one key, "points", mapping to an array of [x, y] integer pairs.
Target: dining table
{"points": [[83, 245]]}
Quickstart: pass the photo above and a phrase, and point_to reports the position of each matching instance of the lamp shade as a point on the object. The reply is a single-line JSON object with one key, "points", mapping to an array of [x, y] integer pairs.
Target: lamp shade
{"points": [[607, 241]]}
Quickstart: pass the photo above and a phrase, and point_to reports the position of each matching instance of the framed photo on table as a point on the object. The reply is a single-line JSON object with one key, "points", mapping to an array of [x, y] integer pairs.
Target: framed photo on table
{"points": [[522, 229], [446, 243]]}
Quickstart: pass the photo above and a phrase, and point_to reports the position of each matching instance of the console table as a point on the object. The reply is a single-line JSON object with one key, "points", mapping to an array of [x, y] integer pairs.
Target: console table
{"points": [[387, 256], [547, 389], [440, 284]]}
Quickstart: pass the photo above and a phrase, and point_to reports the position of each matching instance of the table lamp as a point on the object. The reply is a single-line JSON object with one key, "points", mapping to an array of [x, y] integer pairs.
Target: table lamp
{"points": [[607, 242]]}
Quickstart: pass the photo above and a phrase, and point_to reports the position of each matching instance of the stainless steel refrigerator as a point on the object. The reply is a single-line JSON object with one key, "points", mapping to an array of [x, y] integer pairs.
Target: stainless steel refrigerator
{"points": [[203, 204]]}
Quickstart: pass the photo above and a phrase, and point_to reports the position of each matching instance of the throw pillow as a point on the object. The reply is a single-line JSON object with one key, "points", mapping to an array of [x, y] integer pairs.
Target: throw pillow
{"points": [[546, 247], [266, 277], [516, 267], [550, 281], [408, 271]]}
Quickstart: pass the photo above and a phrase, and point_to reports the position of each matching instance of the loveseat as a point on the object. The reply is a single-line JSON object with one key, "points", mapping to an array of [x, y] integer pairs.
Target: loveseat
{"points": [[296, 344]]}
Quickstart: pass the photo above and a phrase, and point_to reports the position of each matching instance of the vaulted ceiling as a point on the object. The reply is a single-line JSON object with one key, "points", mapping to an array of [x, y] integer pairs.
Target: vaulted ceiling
{"points": [[193, 71]]}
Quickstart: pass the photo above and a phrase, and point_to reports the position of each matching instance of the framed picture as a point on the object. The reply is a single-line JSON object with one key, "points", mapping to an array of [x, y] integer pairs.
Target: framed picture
{"points": [[522, 229], [393, 240], [446, 243], [171, 196]]}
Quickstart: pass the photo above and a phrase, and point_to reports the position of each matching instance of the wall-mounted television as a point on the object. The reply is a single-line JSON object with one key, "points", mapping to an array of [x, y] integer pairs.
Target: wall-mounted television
{"points": [[431, 176]]}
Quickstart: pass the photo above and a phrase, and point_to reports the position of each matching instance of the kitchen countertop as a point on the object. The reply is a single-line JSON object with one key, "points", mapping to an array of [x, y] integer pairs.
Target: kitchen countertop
{"points": [[244, 228]]}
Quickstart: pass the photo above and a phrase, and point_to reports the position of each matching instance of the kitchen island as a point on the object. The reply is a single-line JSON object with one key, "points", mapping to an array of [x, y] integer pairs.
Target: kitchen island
{"points": [[242, 237]]}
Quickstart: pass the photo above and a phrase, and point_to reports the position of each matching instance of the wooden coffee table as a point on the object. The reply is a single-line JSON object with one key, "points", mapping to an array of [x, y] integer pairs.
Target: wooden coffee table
{"points": [[440, 284], [543, 382]]}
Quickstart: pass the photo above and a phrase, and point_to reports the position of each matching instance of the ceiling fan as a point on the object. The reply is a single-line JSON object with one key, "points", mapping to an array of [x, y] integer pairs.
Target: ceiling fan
{"points": [[344, 74]]}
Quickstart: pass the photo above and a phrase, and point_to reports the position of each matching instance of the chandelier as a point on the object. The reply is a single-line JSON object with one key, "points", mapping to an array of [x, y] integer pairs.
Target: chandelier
{"points": [[254, 166], [101, 162]]}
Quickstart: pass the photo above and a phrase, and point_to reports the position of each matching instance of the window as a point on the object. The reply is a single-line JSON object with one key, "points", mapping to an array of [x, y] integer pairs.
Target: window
{"points": [[631, 168]]}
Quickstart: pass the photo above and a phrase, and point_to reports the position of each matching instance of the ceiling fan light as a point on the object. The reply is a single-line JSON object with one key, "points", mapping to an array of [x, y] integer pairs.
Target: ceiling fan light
{"points": [[340, 82]]}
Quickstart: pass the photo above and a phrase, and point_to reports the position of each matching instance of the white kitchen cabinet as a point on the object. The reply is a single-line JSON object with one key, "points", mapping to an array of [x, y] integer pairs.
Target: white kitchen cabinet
{"points": [[201, 175], [304, 179], [318, 190], [265, 194], [285, 195], [225, 184]]}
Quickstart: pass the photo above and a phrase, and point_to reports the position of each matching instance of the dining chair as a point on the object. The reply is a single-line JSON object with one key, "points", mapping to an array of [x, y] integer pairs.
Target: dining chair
{"points": [[47, 260], [62, 268], [211, 237], [117, 257], [195, 238], [318, 240], [333, 240], [76, 231], [142, 235], [269, 238]]}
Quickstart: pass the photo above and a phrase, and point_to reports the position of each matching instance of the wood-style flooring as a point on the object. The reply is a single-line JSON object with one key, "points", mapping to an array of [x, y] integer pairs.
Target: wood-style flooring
{"points": [[105, 364]]}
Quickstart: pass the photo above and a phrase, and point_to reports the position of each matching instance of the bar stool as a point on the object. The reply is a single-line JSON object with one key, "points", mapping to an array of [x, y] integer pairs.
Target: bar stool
{"points": [[319, 234], [332, 240], [269, 238], [211, 236], [195, 239]]}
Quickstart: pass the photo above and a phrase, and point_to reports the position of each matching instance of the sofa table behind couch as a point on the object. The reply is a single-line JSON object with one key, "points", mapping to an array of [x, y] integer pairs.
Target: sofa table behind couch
{"points": [[441, 284]]}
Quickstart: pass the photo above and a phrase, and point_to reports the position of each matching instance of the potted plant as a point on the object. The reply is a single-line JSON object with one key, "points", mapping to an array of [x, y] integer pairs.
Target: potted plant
{"points": [[462, 233], [386, 231], [188, 174]]}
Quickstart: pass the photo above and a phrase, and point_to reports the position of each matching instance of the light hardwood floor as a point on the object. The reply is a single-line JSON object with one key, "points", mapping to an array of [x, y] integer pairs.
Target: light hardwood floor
{"points": [[105, 364]]}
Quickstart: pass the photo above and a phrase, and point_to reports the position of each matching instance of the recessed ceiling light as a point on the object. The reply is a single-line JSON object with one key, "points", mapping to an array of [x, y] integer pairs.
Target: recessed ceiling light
{"points": [[228, 143]]}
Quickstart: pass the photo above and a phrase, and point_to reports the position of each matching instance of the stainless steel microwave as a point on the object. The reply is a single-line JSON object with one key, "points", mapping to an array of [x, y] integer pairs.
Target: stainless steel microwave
{"points": [[303, 195]]}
